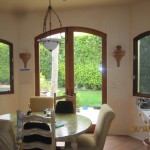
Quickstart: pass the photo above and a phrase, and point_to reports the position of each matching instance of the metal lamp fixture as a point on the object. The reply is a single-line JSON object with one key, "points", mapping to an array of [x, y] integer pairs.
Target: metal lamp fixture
{"points": [[50, 43]]}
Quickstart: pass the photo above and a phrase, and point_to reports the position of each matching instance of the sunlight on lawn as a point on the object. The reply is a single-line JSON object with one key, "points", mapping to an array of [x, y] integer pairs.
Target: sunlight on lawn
{"points": [[88, 98]]}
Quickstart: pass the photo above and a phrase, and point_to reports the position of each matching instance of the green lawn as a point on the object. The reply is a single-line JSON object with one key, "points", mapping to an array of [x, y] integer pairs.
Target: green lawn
{"points": [[88, 97]]}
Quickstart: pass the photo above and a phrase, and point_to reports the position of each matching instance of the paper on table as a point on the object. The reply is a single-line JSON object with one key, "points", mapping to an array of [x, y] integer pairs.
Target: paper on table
{"points": [[59, 124]]}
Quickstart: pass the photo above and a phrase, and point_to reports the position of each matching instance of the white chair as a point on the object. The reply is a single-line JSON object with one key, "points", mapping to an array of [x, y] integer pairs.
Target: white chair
{"points": [[96, 141], [39, 103], [7, 136], [65, 102], [38, 131]]}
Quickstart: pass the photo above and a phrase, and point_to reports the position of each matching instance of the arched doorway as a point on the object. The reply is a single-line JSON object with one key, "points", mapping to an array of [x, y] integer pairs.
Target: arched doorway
{"points": [[70, 48]]}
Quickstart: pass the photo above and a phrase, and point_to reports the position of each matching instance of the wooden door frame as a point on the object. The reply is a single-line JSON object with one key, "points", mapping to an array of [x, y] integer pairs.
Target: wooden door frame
{"points": [[69, 61]]}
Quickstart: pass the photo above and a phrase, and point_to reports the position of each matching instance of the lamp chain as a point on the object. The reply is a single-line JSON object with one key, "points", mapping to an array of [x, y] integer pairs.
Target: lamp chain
{"points": [[50, 24], [48, 13]]}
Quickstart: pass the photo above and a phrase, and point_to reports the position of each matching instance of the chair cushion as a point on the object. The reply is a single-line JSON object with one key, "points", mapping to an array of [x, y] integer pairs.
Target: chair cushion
{"points": [[86, 141], [37, 138], [64, 107], [39, 125]]}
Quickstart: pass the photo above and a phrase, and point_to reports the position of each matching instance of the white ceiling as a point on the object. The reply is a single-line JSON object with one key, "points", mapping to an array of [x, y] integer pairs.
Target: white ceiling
{"points": [[40, 5]]}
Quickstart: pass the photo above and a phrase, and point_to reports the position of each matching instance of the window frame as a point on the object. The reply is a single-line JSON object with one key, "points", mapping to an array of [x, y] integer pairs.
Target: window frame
{"points": [[11, 67], [135, 65]]}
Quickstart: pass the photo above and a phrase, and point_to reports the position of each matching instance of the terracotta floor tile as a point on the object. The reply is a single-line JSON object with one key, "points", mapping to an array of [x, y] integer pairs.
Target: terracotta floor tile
{"points": [[123, 143], [140, 148], [133, 144], [120, 147], [120, 142]]}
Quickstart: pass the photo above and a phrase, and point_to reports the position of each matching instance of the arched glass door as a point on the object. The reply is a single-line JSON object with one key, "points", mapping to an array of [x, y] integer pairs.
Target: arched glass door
{"points": [[81, 64]]}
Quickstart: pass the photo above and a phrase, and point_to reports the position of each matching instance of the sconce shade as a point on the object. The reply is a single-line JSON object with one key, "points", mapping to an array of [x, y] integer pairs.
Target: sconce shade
{"points": [[50, 43], [25, 58], [118, 54]]}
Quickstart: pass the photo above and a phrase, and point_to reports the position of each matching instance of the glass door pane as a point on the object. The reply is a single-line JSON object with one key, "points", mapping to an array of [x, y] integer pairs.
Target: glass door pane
{"points": [[87, 73], [52, 68], [5, 67]]}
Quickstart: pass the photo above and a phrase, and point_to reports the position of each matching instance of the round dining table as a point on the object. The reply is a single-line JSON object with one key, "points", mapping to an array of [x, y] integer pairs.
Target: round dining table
{"points": [[72, 124]]}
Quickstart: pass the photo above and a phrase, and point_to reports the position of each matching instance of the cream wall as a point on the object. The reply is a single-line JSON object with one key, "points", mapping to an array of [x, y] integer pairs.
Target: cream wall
{"points": [[117, 22], [9, 32], [140, 23]]}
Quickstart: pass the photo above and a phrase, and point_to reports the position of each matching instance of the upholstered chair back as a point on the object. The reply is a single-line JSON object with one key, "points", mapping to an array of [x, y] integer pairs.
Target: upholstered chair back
{"points": [[105, 118], [7, 136]]}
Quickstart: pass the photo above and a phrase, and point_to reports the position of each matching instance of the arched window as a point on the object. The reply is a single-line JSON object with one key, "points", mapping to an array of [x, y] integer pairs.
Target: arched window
{"points": [[141, 65], [6, 67]]}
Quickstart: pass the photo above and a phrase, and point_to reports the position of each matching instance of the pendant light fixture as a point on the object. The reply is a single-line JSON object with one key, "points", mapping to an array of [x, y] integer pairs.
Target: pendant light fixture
{"points": [[49, 42]]}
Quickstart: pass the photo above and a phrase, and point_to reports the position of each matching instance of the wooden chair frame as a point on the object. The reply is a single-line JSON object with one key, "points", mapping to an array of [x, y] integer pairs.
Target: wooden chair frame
{"points": [[50, 120]]}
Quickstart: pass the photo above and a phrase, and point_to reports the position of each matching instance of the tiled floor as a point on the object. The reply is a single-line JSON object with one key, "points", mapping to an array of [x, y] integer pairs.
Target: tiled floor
{"points": [[123, 143], [114, 142]]}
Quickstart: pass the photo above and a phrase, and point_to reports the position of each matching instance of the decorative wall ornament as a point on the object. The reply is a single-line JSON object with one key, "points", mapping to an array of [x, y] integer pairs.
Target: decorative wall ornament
{"points": [[25, 58], [118, 54]]}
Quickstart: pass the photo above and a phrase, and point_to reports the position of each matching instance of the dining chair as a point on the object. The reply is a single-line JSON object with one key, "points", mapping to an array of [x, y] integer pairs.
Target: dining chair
{"points": [[40, 103], [96, 140], [7, 136], [65, 103], [38, 132]]}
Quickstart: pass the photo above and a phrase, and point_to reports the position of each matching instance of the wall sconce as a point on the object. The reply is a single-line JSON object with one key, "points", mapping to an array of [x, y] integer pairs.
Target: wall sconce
{"points": [[25, 58], [118, 54]]}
